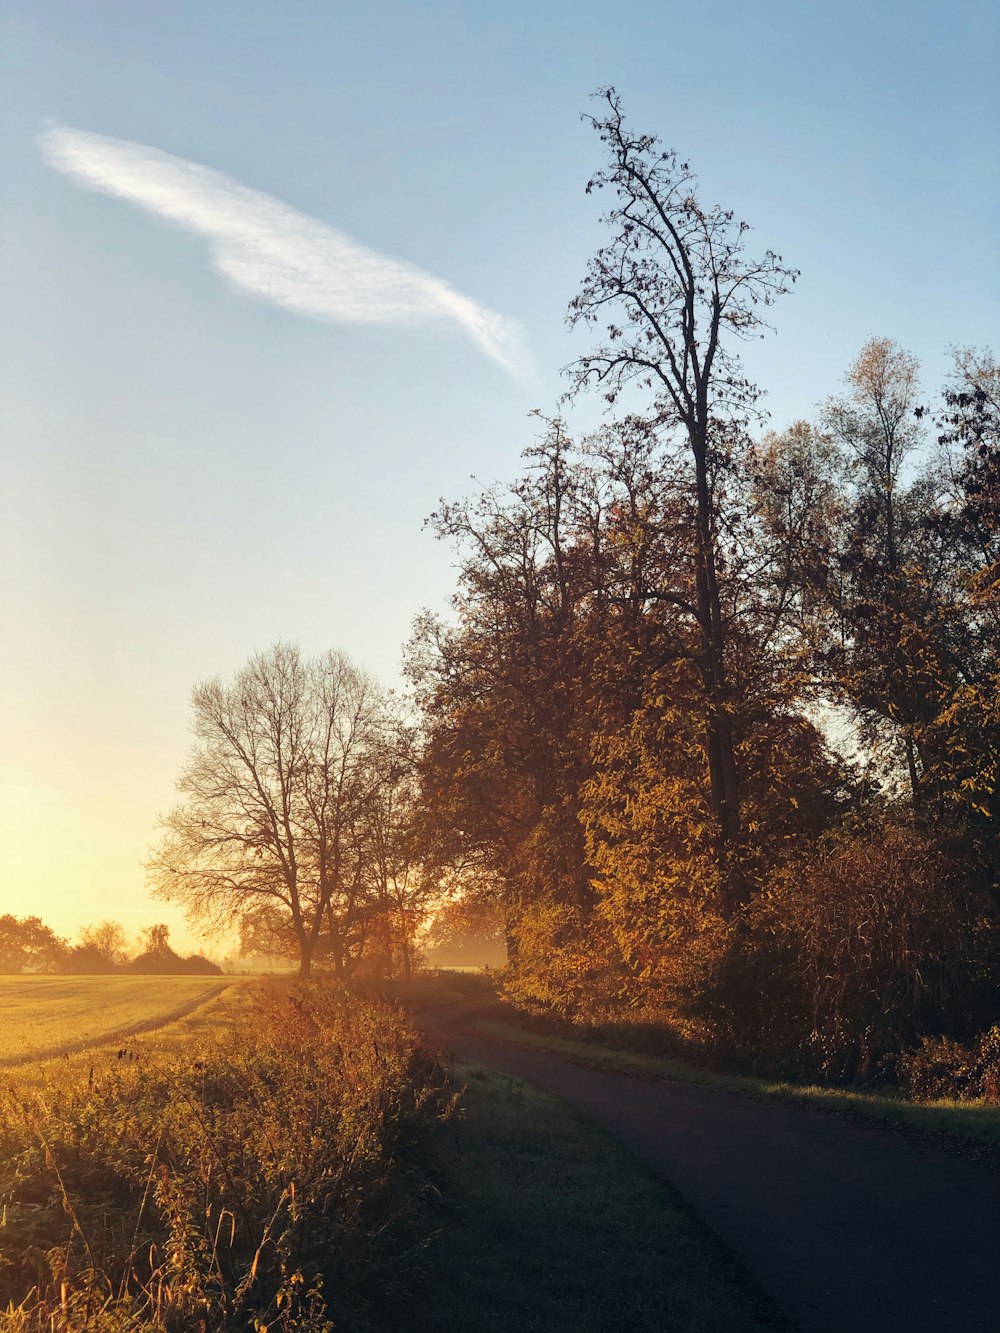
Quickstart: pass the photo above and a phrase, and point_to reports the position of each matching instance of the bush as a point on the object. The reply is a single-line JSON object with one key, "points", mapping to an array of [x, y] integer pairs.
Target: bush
{"points": [[754, 1008], [942, 1069], [253, 1180], [857, 948], [566, 965], [198, 965], [86, 960]]}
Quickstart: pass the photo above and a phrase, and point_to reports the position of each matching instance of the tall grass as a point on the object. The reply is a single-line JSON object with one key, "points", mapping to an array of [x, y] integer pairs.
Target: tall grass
{"points": [[252, 1184]]}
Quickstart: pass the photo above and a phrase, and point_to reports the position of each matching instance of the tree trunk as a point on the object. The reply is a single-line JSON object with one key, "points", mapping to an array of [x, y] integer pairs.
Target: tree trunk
{"points": [[722, 772], [510, 942], [306, 942], [404, 947], [911, 768]]}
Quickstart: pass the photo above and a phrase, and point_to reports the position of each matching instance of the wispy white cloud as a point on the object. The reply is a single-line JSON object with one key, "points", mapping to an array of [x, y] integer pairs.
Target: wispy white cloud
{"points": [[275, 252]]}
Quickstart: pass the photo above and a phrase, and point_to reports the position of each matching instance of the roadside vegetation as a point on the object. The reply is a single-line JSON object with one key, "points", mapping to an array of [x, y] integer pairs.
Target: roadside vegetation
{"points": [[254, 1180], [970, 1126], [646, 1046]]}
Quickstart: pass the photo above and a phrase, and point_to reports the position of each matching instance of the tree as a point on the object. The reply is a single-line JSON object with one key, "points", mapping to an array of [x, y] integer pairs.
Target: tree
{"points": [[966, 731], [885, 600], [27, 944], [563, 770], [464, 930], [105, 943], [267, 835], [505, 692], [673, 290], [390, 839], [877, 422], [155, 939], [155, 955]]}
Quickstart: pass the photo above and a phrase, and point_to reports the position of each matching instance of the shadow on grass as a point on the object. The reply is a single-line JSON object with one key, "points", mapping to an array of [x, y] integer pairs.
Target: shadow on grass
{"points": [[547, 1223]]}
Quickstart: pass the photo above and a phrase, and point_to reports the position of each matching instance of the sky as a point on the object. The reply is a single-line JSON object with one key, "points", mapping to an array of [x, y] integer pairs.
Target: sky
{"points": [[276, 277]]}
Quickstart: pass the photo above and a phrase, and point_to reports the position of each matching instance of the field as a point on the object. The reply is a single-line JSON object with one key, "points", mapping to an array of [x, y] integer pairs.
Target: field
{"points": [[46, 1017]]}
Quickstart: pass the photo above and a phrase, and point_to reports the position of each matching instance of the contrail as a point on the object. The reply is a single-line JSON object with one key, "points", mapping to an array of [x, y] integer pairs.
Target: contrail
{"points": [[270, 249]]}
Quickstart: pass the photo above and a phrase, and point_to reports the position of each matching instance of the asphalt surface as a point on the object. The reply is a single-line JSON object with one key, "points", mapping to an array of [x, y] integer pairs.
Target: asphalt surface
{"points": [[848, 1229]]}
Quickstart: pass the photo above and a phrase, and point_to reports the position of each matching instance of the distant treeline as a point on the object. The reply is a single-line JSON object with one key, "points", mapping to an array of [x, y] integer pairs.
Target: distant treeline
{"points": [[28, 945]]}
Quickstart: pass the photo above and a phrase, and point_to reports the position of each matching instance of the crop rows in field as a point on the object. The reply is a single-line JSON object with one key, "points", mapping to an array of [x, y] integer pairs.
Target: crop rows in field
{"points": [[42, 1017]]}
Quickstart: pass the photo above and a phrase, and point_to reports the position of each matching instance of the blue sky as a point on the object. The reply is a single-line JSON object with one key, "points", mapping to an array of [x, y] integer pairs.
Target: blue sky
{"points": [[191, 472]]}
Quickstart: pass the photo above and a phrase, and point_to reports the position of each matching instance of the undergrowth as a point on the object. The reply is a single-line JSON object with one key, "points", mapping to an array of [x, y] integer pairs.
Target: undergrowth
{"points": [[258, 1183]]}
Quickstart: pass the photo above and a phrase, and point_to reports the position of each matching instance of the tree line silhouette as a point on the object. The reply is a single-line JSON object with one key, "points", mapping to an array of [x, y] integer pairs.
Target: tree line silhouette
{"points": [[28, 945]]}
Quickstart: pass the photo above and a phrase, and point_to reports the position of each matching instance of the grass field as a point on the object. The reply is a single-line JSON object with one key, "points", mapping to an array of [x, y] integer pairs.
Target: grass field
{"points": [[46, 1017]]}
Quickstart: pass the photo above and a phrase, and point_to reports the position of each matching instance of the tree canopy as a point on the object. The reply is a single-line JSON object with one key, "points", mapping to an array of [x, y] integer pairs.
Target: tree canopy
{"points": [[281, 801]]}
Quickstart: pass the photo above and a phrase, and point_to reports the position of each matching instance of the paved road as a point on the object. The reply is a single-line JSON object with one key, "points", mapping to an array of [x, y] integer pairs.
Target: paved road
{"points": [[850, 1230]]}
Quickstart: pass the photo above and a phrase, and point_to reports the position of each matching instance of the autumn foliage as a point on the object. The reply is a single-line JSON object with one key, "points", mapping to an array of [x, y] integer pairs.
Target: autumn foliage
{"points": [[714, 724]]}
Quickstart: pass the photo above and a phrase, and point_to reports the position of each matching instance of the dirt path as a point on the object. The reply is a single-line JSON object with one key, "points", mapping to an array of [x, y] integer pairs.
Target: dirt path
{"points": [[849, 1229]]}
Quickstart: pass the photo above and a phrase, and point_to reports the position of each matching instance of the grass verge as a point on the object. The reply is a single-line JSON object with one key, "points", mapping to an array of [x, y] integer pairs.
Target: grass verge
{"points": [[547, 1223], [972, 1128]]}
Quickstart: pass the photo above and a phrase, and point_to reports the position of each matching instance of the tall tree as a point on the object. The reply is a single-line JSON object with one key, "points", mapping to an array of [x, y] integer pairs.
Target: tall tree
{"points": [[877, 424], [674, 290], [966, 731], [273, 794], [399, 885], [502, 692]]}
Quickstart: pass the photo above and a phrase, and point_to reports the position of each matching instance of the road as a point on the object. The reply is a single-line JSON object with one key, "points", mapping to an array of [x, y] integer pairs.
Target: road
{"points": [[849, 1229]]}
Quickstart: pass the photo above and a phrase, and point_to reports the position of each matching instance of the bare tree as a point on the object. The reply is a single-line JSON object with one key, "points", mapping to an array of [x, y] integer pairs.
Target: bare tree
{"points": [[106, 940], [672, 289], [878, 422], [273, 794], [400, 884]]}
